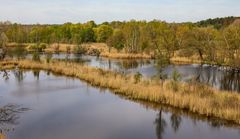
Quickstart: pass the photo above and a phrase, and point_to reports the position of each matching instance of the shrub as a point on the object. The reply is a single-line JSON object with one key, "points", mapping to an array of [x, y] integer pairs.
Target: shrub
{"points": [[79, 50], [2, 53], [19, 52], [36, 56], [56, 48], [137, 77], [48, 57], [37, 47], [176, 77], [94, 52], [42, 46], [68, 49]]}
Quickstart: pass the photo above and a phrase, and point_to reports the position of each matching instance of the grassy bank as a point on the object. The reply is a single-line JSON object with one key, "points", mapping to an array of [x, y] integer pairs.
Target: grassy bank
{"points": [[101, 49], [193, 97], [89, 48]]}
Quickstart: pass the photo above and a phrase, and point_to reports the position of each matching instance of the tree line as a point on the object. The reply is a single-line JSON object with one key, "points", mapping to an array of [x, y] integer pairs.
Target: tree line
{"points": [[164, 40]]}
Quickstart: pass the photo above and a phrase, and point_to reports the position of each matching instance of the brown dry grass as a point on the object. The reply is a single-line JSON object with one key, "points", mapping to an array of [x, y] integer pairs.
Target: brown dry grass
{"points": [[193, 97], [185, 60], [101, 47]]}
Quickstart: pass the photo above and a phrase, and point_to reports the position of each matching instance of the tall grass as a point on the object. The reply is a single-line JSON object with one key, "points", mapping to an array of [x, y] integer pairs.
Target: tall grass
{"points": [[193, 97]]}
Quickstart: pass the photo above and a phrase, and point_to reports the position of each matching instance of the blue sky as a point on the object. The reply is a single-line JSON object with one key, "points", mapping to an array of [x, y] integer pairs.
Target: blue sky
{"points": [[61, 11]]}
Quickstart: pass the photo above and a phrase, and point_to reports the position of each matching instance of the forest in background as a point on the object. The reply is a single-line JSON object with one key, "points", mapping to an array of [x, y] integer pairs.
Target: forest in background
{"points": [[213, 41]]}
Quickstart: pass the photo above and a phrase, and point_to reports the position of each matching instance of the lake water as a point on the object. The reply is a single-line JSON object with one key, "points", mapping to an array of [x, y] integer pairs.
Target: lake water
{"points": [[58, 107], [210, 75]]}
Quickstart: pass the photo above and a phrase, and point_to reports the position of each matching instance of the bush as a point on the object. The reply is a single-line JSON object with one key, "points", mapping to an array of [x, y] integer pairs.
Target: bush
{"points": [[137, 77], [19, 52], [174, 83], [79, 50], [32, 47], [176, 76], [36, 56], [43, 46], [56, 48], [48, 57], [2, 53], [94, 52], [37, 47], [68, 49]]}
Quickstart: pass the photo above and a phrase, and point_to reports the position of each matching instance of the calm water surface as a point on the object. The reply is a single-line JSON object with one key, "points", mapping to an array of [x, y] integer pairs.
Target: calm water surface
{"points": [[210, 75], [57, 107]]}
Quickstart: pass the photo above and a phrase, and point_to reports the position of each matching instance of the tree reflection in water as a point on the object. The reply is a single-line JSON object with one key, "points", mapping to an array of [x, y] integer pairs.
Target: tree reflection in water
{"points": [[19, 75], [176, 121], [213, 76], [161, 124], [5, 75], [36, 74], [9, 115]]}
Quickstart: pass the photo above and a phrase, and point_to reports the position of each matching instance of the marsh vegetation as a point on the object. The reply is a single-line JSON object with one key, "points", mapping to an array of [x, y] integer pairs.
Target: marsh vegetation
{"points": [[64, 105], [192, 96], [190, 67]]}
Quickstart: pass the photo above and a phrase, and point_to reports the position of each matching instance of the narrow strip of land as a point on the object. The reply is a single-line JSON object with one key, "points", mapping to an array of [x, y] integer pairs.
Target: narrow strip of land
{"points": [[192, 96]]}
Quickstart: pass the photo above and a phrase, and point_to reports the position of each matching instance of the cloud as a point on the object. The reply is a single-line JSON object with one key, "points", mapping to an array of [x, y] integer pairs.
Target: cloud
{"points": [[60, 11]]}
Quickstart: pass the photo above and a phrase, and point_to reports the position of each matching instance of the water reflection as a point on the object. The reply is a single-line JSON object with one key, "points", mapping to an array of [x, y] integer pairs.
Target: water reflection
{"points": [[17, 52], [177, 114], [36, 74], [160, 125], [5, 75], [176, 121], [223, 80], [74, 109], [9, 117], [230, 81], [19, 75], [211, 75]]}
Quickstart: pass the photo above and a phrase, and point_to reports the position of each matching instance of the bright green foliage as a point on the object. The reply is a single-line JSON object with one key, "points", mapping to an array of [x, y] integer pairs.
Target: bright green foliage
{"points": [[204, 41], [117, 40], [103, 32]]}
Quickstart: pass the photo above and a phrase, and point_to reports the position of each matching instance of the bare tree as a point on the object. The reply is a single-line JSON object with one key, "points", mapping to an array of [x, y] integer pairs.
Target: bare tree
{"points": [[3, 43]]}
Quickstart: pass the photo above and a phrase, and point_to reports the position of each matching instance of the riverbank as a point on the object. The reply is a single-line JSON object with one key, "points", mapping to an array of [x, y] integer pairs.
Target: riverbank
{"points": [[102, 50], [96, 49], [193, 97]]}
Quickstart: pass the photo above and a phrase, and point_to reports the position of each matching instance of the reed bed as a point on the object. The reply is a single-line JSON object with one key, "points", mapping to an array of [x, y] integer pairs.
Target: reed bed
{"points": [[125, 55], [193, 97]]}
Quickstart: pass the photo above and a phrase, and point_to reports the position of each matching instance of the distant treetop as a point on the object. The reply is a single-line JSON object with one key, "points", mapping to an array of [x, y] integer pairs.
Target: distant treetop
{"points": [[218, 23]]}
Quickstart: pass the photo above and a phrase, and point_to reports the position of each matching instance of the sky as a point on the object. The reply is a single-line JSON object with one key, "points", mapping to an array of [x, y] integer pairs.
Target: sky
{"points": [[62, 11]]}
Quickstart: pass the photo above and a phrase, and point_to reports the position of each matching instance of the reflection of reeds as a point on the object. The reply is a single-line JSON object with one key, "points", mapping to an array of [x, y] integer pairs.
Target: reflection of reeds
{"points": [[213, 122], [193, 97], [89, 47]]}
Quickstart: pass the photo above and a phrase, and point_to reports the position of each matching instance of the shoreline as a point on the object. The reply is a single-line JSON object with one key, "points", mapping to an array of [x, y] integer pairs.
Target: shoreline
{"points": [[199, 99], [93, 49]]}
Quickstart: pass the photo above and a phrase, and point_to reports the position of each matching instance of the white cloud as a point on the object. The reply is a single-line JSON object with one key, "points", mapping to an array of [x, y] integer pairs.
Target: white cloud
{"points": [[60, 11]]}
